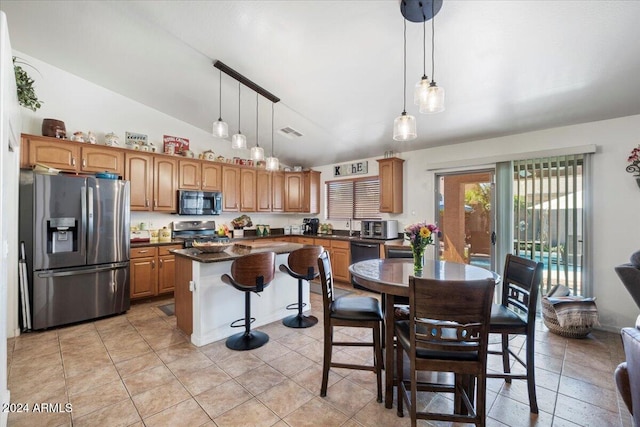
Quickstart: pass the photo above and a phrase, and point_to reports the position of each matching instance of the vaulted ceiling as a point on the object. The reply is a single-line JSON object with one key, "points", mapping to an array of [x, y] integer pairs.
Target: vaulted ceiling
{"points": [[507, 66]]}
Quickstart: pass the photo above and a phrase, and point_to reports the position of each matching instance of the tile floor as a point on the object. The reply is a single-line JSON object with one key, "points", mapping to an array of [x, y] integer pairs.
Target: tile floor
{"points": [[139, 370]]}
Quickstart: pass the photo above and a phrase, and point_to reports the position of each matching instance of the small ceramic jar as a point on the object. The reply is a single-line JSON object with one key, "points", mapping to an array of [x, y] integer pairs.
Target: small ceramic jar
{"points": [[78, 136], [111, 139]]}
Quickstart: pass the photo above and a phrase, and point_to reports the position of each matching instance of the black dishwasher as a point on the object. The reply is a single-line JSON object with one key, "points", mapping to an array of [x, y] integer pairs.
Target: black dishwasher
{"points": [[361, 251]]}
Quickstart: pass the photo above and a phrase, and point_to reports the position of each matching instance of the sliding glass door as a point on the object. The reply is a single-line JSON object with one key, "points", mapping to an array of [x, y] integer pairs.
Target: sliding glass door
{"points": [[466, 217]]}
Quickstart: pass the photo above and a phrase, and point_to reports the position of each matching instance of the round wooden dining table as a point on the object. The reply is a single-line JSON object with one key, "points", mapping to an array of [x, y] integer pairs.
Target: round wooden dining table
{"points": [[390, 277]]}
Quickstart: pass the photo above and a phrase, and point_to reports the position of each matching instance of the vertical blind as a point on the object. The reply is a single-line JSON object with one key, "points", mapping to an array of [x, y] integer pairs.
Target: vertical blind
{"points": [[354, 198], [548, 217]]}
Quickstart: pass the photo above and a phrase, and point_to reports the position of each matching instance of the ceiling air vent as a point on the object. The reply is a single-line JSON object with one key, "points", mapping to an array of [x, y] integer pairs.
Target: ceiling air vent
{"points": [[290, 132]]}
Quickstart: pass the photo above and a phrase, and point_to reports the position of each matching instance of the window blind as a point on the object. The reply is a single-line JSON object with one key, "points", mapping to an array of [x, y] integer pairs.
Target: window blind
{"points": [[354, 198]]}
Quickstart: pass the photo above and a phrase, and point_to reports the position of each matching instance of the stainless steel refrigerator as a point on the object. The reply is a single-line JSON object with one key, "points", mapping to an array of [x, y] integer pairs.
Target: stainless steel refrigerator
{"points": [[76, 233]]}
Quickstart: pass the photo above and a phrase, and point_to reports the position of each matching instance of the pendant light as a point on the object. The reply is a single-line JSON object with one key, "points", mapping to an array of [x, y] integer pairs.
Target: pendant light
{"points": [[239, 141], [273, 164], [434, 100], [257, 152], [404, 126], [220, 128]]}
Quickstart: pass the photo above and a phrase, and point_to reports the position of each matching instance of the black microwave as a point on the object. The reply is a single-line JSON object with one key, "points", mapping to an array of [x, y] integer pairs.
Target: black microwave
{"points": [[199, 202]]}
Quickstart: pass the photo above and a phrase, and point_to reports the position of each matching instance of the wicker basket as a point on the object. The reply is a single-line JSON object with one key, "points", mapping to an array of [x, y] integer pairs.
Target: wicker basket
{"points": [[551, 322], [211, 247]]}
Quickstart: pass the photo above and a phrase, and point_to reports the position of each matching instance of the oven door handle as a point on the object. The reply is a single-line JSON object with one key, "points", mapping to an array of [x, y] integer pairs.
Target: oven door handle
{"points": [[364, 245]]}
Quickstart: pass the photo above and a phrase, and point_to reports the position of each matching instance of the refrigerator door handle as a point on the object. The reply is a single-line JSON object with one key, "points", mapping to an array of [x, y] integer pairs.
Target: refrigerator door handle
{"points": [[83, 220], [82, 271], [90, 217]]}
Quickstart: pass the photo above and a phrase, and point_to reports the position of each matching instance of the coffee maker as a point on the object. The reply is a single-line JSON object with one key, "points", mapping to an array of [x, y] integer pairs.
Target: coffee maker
{"points": [[310, 226]]}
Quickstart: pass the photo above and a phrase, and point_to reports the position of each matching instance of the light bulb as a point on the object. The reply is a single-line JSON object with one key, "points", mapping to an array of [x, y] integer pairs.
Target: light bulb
{"points": [[238, 141], [404, 128], [273, 164], [220, 129], [421, 91], [434, 102], [257, 153]]}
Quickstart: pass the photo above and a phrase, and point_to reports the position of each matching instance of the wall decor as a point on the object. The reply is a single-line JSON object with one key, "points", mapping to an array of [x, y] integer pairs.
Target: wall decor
{"points": [[356, 168], [135, 140], [179, 144], [634, 164]]}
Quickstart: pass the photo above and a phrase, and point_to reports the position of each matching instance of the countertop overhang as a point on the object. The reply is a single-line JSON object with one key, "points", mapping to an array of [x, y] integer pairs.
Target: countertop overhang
{"points": [[234, 252]]}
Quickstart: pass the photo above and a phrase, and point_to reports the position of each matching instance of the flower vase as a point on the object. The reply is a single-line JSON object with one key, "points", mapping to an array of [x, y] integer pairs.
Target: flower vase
{"points": [[418, 260]]}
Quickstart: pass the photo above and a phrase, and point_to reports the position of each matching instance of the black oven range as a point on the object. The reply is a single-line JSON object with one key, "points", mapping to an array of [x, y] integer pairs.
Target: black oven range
{"points": [[200, 231]]}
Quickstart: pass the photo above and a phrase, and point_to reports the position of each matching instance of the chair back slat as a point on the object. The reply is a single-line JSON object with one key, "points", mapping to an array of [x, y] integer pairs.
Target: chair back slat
{"points": [[326, 280], [254, 269], [304, 261], [450, 315], [521, 284]]}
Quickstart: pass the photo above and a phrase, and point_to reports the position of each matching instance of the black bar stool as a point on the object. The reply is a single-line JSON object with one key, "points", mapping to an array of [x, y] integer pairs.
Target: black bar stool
{"points": [[303, 265], [250, 273]]}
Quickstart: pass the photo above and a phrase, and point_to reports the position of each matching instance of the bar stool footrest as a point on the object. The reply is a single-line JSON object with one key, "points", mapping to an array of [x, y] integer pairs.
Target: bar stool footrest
{"points": [[295, 305], [242, 325]]}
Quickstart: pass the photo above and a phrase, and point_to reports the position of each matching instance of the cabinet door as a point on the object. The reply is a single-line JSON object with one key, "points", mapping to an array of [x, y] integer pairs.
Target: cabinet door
{"points": [[230, 189], [211, 177], [165, 184], [59, 154], [166, 273], [248, 190], [340, 264], [390, 172], [293, 192], [138, 171], [311, 192], [277, 192], [143, 277], [189, 175], [263, 190], [99, 159]]}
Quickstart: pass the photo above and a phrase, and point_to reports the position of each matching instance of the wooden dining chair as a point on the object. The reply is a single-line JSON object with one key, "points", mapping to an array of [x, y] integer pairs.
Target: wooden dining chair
{"points": [[250, 273], [516, 315], [355, 312], [302, 265], [447, 331], [400, 303]]}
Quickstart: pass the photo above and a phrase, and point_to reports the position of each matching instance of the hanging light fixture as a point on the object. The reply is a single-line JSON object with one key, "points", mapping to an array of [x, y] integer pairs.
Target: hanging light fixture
{"points": [[273, 164], [239, 141], [257, 152], [434, 99], [220, 128], [404, 126]]}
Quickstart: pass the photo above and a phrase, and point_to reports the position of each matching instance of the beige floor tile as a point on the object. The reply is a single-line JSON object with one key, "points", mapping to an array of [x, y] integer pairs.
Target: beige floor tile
{"points": [[250, 413], [285, 397], [348, 397], [96, 398], [218, 351], [146, 380], [271, 350], [138, 364], [243, 361], [192, 362], [291, 363], [518, 390], [514, 413], [316, 412], [160, 398], [122, 414], [23, 387], [295, 340], [187, 413], [128, 350], [82, 365], [160, 341], [313, 351], [177, 352], [93, 378], [40, 419], [34, 348], [197, 381], [311, 379], [589, 393], [222, 398], [586, 414], [260, 379]]}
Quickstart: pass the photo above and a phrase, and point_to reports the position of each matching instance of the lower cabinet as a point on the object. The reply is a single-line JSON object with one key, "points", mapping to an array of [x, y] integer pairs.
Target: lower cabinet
{"points": [[340, 254], [152, 271]]}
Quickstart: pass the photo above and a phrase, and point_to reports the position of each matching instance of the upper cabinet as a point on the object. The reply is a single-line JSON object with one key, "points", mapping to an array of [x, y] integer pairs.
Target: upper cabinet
{"points": [[302, 192], [201, 175], [153, 182], [277, 192], [391, 187], [264, 183], [70, 156], [230, 189], [311, 199]]}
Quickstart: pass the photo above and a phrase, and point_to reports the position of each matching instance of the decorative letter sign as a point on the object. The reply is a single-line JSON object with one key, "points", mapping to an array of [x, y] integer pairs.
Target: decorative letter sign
{"points": [[358, 168]]}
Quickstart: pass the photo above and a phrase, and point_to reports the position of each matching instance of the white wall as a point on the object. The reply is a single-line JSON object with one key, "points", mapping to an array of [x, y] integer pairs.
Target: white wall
{"points": [[85, 106], [9, 159]]}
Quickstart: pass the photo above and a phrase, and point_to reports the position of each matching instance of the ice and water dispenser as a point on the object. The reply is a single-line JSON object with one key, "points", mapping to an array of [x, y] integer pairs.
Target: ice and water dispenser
{"points": [[62, 235]]}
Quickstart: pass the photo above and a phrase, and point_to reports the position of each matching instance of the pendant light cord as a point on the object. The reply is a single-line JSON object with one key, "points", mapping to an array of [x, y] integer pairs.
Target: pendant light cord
{"points": [[433, 35], [220, 98], [424, 45], [239, 107], [404, 73], [272, 129], [257, 143]]}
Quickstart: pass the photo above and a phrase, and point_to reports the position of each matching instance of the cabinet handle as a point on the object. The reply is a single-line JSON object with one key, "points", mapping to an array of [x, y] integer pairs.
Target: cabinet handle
{"points": [[143, 251], [73, 161], [155, 203], [146, 203], [153, 265], [84, 163], [161, 262], [197, 184]]}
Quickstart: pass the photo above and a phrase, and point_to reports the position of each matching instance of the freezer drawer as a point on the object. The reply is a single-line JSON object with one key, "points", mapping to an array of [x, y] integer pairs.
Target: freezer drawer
{"points": [[73, 295]]}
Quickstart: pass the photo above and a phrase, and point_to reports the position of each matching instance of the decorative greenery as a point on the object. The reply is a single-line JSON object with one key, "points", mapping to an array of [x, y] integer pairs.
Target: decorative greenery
{"points": [[26, 94], [634, 161], [420, 235]]}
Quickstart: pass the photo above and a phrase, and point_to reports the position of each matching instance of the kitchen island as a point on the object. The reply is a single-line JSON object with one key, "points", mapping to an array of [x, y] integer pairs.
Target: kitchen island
{"points": [[205, 306]]}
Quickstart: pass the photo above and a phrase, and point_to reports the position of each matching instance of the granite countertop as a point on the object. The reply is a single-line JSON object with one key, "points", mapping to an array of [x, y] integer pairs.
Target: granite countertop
{"points": [[234, 251], [143, 244]]}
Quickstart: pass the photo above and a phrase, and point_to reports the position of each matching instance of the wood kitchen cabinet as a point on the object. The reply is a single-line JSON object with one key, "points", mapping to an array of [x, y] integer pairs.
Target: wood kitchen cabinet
{"points": [[340, 255], [248, 190], [277, 192], [230, 189], [153, 182], [302, 192], [199, 175], [264, 183], [71, 156], [152, 271], [311, 192], [391, 187]]}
